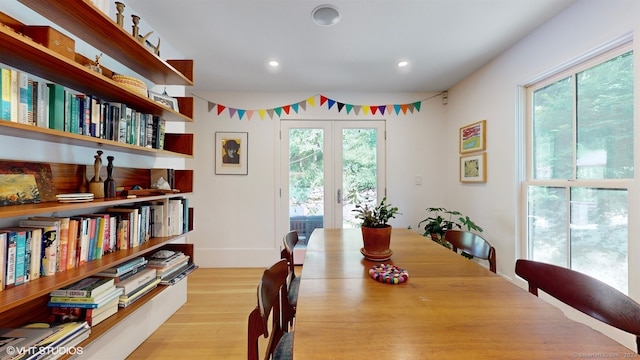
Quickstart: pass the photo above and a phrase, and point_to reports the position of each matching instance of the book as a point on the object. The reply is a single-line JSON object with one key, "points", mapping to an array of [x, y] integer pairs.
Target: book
{"points": [[3, 259], [56, 107], [127, 300], [10, 265], [62, 334], [42, 105], [99, 298], [96, 302], [126, 266], [49, 248], [36, 253], [63, 240], [19, 236], [23, 97], [82, 244], [21, 338], [135, 282], [178, 276], [90, 286], [5, 94], [164, 258], [92, 316], [72, 248], [176, 266]]}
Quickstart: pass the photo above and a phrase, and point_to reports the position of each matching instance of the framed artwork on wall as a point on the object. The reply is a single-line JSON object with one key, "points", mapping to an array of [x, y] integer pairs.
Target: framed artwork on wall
{"points": [[473, 137], [473, 168], [231, 153]]}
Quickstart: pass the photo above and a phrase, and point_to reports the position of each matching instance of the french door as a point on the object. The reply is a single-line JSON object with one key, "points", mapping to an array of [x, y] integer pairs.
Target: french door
{"points": [[327, 167]]}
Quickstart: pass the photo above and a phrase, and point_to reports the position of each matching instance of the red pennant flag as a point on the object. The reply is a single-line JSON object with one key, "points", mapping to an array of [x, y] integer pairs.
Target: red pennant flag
{"points": [[220, 109], [322, 100], [286, 109], [373, 110]]}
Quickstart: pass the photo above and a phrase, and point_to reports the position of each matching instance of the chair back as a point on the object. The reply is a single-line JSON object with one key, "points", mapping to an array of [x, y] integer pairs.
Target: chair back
{"points": [[269, 295], [472, 244], [290, 240], [584, 293]]}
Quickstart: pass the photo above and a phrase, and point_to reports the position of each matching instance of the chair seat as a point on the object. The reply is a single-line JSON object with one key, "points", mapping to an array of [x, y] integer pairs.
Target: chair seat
{"points": [[293, 291], [284, 349]]}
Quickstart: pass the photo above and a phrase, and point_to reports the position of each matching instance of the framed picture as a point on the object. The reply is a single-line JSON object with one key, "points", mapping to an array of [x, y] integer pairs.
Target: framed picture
{"points": [[473, 168], [472, 137], [231, 153], [168, 101]]}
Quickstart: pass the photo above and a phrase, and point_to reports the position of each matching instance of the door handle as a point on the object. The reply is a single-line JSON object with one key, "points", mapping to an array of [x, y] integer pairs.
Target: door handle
{"points": [[339, 196]]}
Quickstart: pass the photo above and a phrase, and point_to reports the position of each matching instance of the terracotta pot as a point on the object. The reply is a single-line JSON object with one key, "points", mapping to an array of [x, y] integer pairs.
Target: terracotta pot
{"points": [[376, 240]]}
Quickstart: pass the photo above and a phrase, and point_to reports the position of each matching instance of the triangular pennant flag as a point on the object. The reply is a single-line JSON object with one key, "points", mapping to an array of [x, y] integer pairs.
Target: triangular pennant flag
{"points": [[232, 112], [331, 103], [349, 108], [417, 105], [211, 105], [404, 108], [262, 113], [410, 106], [250, 114], [294, 107], [396, 108], [270, 112], [303, 105], [322, 100], [340, 106], [241, 113], [220, 109], [312, 101], [382, 108], [374, 109], [278, 111], [357, 109], [286, 109], [365, 109]]}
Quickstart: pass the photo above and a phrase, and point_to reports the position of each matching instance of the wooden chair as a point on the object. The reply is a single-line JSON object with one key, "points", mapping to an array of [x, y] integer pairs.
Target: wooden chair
{"points": [[585, 293], [270, 292], [472, 244], [293, 282]]}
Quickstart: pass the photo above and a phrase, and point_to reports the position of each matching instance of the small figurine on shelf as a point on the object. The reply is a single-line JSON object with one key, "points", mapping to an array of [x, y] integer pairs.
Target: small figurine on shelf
{"points": [[96, 185], [95, 65], [120, 14], [135, 29], [110, 183]]}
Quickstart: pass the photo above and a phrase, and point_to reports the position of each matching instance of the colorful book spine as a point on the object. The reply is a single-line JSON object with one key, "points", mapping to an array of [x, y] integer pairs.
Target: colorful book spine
{"points": [[56, 107], [23, 97], [12, 241], [5, 94]]}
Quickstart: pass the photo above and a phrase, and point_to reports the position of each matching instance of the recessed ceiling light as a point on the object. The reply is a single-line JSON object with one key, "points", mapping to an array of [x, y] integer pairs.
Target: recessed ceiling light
{"points": [[325, 15], [274, 63], [403, 63]]}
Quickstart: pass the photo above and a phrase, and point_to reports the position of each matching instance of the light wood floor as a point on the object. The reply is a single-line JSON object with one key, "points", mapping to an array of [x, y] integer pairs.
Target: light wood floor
{"points": [[213, 322]]}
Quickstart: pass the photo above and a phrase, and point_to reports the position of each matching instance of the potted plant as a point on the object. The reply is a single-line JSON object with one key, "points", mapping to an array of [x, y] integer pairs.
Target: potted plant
{"points": [[440, 220], [376, 232]]}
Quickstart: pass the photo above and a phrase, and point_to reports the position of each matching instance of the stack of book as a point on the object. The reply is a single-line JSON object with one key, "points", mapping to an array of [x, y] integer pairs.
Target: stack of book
{"points": [[170, 266], [63, 340], [20, 338], [93, 300], [134, 279]]}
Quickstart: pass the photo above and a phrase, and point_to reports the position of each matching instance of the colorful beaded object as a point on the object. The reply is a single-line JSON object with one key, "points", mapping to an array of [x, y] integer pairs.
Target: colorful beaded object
{"points": [[389, 274]]}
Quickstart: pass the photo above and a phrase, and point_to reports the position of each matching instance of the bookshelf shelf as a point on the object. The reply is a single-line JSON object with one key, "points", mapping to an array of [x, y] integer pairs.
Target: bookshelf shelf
{"points": [[81, 18]]}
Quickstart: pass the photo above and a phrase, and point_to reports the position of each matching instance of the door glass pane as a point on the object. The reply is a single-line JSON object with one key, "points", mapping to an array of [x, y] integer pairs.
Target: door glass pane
{"points": [[605, 120], [547, 224], [306, 181], [599, 234], [553, 131], [359, 171]]}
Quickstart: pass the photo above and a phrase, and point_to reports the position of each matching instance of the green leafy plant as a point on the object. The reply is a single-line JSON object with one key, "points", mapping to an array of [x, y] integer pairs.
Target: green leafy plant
{"points": [[439, 220], [377, 216]]}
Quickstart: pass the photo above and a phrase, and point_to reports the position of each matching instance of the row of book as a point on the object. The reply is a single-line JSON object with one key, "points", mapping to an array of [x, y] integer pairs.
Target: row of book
{"points": [[96, 298], [44, 246], [27, 99]]}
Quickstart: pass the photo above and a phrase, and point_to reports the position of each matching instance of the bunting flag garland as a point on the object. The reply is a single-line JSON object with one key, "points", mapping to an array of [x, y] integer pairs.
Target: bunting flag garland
{"points": [[295, 108]]}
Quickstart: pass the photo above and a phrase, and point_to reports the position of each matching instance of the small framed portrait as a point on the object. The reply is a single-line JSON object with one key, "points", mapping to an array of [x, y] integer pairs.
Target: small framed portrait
{"points": [[231, 153], [473, 168], [472, 137], [168, 101]]}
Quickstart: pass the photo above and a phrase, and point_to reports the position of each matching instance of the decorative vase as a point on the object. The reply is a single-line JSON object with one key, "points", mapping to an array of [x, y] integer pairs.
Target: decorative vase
{"points": [[376, 243], [110, 183]]}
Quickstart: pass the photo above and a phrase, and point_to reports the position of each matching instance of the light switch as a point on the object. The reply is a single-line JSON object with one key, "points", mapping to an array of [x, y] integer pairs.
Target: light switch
{"points": [[418, 180]]}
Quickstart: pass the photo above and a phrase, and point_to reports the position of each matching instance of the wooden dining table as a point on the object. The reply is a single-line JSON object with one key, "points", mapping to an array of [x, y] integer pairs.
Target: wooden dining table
{"points": [[450, 307]]}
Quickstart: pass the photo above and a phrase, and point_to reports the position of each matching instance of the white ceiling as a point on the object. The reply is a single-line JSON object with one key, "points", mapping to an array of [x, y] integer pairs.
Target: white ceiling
{"points": [[231, 41]]}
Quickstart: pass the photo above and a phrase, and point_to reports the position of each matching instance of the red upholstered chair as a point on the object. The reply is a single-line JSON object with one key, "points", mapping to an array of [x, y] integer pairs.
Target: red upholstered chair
{"points": [[584, 293], [293, 282], [270, 291], [472, 244]]}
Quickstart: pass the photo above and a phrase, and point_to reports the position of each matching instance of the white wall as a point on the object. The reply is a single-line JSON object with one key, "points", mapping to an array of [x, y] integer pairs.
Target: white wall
{"points": [[491, 94], [235, 216]]}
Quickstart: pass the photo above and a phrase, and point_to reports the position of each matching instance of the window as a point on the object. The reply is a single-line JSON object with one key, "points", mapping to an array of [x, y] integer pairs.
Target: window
{"points": [[580, 167]]}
